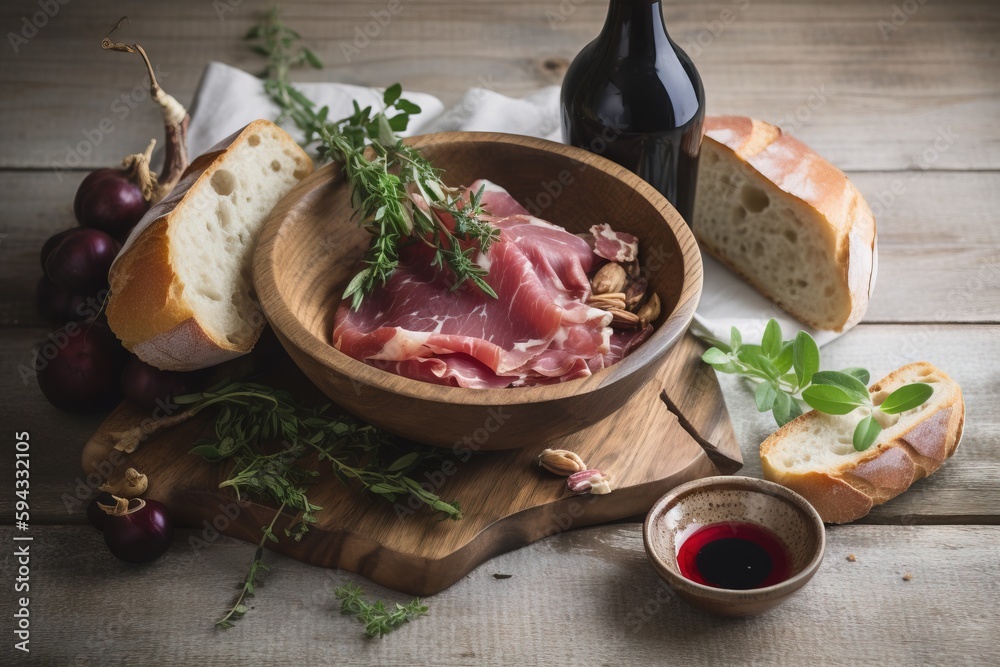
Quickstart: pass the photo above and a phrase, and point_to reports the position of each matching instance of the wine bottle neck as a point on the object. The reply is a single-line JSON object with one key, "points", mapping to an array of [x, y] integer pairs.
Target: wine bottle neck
{"points": [[635, 26]]}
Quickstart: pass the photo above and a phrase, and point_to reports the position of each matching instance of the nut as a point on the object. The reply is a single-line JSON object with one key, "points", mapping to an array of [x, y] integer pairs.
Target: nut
{"points": [[132, 485], [609, 278], [589, 481], [607, 301], [635, 293], [622, 319], [561, 462], [650, 311]]}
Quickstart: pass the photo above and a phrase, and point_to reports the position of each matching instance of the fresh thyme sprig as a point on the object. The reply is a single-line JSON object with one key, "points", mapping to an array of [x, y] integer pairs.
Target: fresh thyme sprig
{"points": [[252, 578], [787, 371], [378, 619], [397, 195], [253, 416]]}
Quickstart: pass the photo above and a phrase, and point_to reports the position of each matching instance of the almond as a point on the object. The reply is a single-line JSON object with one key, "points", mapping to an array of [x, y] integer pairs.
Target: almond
{"points": [[608, 279]]}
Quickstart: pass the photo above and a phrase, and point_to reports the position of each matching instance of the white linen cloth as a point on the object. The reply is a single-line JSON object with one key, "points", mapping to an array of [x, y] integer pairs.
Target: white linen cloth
{"points": [[228, 98]]}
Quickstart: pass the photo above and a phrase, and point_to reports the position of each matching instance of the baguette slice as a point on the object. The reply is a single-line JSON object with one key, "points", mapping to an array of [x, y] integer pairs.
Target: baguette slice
{"points": [[814, 454], [181, 289], [787, 221]]}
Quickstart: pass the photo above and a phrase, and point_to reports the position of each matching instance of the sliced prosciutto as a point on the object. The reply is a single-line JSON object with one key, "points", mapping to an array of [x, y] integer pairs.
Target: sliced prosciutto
{"points": [[538, 330]]}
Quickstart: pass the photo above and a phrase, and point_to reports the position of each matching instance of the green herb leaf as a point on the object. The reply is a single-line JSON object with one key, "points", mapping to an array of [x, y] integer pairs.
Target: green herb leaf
{"points": [[906, 398], [831, 399], [379, 620], [866, 433], [735, 339], [715, 357], [765, 396], [785, 409], [770, 343], [392, 94], [783, 362], [805, 358], [403, 462], [312, 58], [863, 376], [850, 384]]}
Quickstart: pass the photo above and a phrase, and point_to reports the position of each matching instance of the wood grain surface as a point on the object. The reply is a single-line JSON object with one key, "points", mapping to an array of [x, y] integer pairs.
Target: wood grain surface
{"points": [[584, 597], [870, 88], [507, 500]]}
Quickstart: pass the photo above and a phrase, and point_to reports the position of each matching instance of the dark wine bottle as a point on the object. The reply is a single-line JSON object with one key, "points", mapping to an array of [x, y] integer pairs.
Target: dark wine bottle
{"points": [[633, 96]]}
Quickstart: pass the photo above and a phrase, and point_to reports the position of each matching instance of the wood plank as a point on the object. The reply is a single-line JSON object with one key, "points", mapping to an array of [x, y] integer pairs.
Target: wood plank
{"points": [[818, 68], [964, 490], [584, 596], [937, 238]]}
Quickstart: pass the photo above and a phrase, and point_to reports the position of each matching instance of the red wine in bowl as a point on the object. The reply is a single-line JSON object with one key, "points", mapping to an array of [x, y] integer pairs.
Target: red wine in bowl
{"points": [[734, 555]]}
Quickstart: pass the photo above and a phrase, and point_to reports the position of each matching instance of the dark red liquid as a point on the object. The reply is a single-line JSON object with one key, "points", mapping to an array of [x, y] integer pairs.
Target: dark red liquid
{"points": [[738, 556]]}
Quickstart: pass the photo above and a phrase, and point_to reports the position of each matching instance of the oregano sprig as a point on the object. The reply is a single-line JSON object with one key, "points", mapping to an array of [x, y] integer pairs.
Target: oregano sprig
{"points": [[786, 372], [397, 195]]}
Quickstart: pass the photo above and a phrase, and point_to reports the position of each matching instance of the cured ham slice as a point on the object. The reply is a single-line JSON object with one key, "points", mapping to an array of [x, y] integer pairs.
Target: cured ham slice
{"points": [[538, 330]]}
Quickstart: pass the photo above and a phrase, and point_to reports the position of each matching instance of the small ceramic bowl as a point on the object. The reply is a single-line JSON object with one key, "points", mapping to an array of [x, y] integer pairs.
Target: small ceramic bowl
{"points": [[784, 513]]}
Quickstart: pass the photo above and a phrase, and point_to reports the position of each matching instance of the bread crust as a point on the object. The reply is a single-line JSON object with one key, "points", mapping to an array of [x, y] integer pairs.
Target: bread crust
{"points": [[849, 491], [147, 309], [800, 173]]}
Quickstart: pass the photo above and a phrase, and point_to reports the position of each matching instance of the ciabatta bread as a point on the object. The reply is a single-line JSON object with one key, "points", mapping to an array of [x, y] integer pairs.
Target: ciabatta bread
{"points": [[181, 289], [814, 454], [786, 220]]}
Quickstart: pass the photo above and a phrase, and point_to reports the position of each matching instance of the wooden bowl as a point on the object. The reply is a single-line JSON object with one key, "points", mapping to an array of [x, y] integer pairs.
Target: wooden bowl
{"points": [[782, 512], [310, 247]]}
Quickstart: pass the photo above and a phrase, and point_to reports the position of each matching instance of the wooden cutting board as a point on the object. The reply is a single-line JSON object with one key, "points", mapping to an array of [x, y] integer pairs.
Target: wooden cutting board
{"points": [[675, 429]]}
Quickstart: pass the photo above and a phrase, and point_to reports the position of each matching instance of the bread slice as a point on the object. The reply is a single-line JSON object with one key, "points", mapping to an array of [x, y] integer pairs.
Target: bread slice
{"points": [[814, 454], [181, 289], [786, 220]]}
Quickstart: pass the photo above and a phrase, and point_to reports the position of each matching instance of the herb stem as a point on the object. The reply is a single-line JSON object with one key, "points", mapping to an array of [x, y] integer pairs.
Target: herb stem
{"points": [[251, 580]]}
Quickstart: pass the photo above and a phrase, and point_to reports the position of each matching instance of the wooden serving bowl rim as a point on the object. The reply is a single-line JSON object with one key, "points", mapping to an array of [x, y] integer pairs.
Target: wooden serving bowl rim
{"points": [[289, 327]]}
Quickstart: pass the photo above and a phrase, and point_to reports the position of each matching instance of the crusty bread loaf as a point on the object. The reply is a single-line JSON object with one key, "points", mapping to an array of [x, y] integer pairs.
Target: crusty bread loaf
{"points": [[786, 220], [814, 454], [181, 289]]}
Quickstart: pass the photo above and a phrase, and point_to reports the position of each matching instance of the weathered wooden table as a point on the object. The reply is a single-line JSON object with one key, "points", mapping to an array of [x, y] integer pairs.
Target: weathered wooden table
{"points": [[903, 95]]}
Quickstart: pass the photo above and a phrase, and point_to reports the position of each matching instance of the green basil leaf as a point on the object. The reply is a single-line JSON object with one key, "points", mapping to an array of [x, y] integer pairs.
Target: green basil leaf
{"points": [[750, 355], [831, 399], [805, 358], [866, 433], [765, 396], [770, 343], [735, 338], [392, 93], [848, 383], [863, 376], [783, 362], [906, 398], [715, 356], [406, 106], [782, 408]]}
